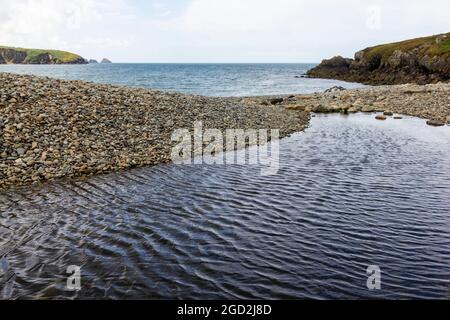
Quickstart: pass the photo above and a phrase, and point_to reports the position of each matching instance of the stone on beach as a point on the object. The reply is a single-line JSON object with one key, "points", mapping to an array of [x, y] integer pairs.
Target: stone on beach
{"points": [[276, 101], [435, 123], [368, 109]]}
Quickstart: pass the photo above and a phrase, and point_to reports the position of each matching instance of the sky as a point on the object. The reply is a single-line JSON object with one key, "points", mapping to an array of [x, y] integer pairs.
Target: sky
{"points": [[217, 30]]}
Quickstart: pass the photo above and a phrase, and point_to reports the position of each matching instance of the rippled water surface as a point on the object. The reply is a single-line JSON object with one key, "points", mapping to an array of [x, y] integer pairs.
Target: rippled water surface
{"points": [[204, 79], [351, 192]]}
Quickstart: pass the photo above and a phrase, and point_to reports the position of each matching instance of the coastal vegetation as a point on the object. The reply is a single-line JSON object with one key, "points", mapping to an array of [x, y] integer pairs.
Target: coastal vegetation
{"points": [[434, 46], [11, 55], [422, 60]]}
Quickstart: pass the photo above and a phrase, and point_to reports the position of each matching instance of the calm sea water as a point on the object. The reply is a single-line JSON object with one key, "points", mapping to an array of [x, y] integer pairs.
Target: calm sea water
{"points": [[203, 79], [351, 192]]}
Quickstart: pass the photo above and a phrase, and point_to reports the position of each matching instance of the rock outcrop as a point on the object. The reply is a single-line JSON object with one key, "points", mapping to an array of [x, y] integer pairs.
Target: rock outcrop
{"points": [[10, 55], [106, 60], [93, 61], [421, 61]]}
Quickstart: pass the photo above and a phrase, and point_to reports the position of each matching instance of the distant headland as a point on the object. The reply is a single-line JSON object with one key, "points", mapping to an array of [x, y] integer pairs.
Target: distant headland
{"points": [[11, 55], [421, 61]]}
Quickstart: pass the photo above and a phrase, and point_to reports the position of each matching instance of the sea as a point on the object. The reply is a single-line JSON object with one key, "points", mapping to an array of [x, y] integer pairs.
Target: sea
{"points": [[219, 80]]}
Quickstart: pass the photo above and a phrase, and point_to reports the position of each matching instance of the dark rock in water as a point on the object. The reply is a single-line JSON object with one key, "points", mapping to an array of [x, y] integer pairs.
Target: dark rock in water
{"points": [[93, 61], [398, 117], [106, 60], [331, 68], [381, 117], [421, 61], [435, 123], [388, 113], [276, 101]]}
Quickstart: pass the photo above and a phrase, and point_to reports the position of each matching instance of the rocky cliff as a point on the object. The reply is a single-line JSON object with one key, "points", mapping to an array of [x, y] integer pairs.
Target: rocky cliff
{"points": [[421, 61], [9, 55]]}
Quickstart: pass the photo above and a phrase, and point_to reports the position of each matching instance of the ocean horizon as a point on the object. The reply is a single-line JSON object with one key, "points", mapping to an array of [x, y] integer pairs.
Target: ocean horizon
{"points": [[208, 79]]}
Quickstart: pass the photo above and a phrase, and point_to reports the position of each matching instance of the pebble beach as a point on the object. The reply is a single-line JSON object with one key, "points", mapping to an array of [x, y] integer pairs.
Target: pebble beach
{"points": [[56, 128]]}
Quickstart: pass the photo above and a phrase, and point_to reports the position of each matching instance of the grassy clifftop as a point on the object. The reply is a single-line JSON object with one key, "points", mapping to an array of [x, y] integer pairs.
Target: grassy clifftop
{"points": [[11, 55], [437, 45], [422, 60]]}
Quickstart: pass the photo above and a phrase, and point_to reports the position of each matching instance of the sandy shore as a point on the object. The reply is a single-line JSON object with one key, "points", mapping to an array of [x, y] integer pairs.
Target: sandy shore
{"points": [[53, 128]]}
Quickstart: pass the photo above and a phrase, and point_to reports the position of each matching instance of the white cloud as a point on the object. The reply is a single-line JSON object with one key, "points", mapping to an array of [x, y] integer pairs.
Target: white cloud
{"points": [[295, 30], [217, 30], [43, 23]]}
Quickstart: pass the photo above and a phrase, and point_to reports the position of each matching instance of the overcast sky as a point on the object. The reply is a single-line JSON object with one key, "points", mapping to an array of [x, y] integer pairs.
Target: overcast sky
{"points": [[217, 30]]}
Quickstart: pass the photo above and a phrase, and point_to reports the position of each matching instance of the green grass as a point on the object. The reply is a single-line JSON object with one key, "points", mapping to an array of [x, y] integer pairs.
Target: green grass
{"points": [[442, 49], [32, 54], [425, 46]]}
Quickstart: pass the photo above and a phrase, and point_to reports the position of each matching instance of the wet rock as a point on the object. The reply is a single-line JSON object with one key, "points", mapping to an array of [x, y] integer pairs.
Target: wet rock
{"points": [[276, 101], [353, 110], [381, 117], [335, 89], [320, 109], [435, 123], [368, 109], [388, 113]]}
